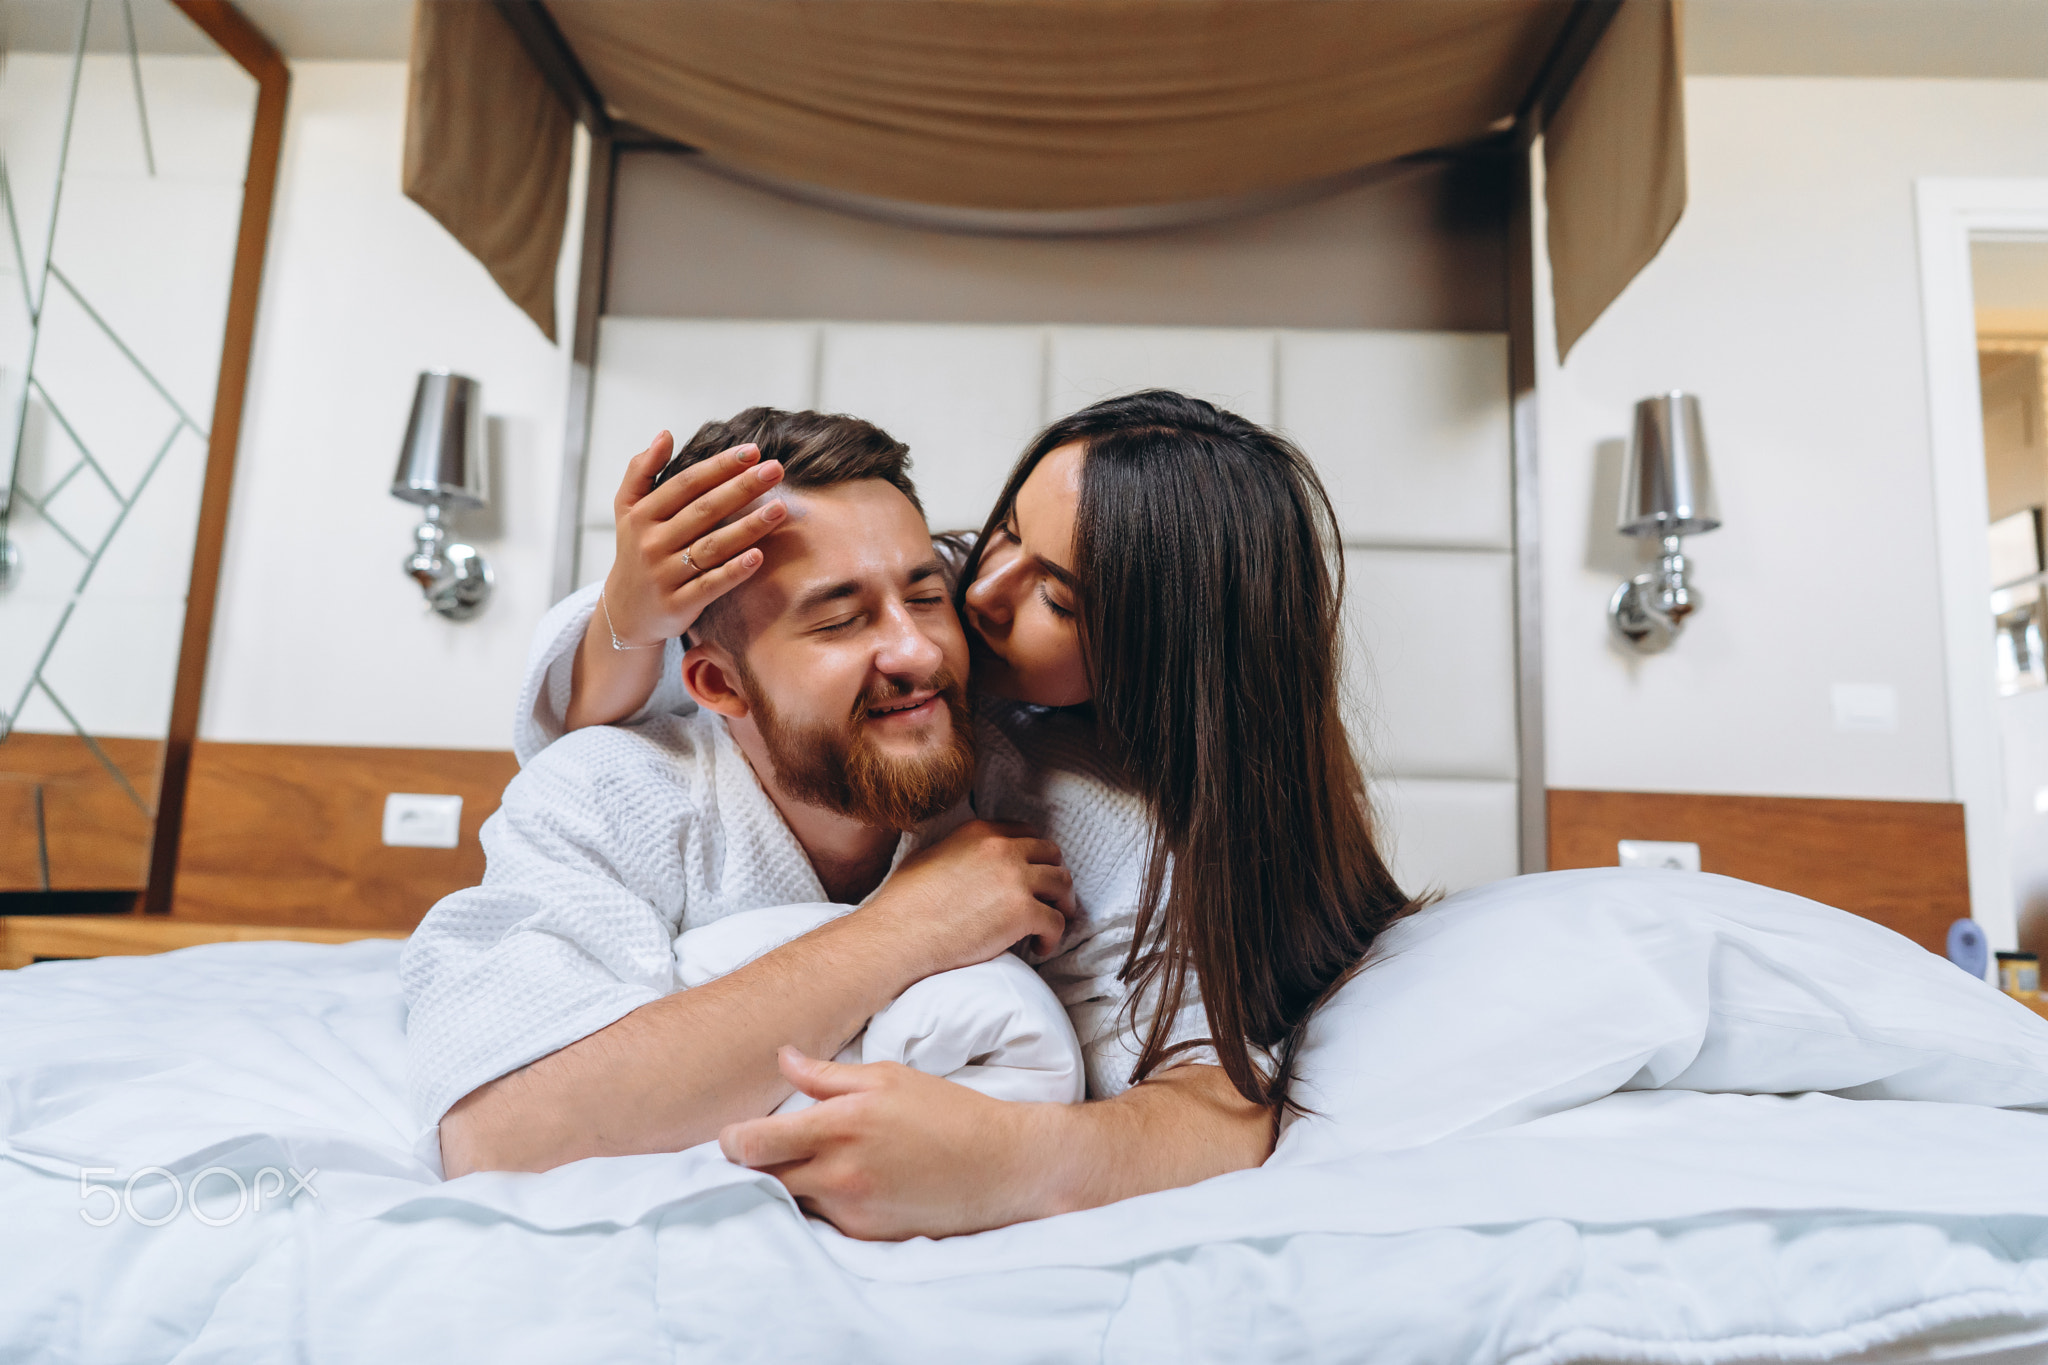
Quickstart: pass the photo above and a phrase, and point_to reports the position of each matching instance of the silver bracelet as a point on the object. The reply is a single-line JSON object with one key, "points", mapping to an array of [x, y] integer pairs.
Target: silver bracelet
{"points": [[617, 643]]}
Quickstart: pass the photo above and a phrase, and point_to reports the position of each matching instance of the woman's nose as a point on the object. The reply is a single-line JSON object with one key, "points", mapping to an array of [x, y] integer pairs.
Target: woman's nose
{"points": [[987, 598]]}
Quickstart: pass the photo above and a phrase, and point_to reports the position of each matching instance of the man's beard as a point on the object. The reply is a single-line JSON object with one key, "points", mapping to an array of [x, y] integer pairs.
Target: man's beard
{"points": [[840, 768]]}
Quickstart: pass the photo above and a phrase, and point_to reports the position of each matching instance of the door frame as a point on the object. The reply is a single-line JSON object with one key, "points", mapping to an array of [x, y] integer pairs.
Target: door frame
{"points": [[1951, 213]]}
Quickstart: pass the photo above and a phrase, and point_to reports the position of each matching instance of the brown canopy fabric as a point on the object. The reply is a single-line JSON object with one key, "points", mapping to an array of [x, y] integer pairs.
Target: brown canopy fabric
{"points": [[1062, 104], [1051, 105], [487, 148], [1614, 165]]}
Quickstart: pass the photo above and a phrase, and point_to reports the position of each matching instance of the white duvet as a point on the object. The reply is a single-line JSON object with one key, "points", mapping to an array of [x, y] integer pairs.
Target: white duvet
{"points": [[1531, 1145]]}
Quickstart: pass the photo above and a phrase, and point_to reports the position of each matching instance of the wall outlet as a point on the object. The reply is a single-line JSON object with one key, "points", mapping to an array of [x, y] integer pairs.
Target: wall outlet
{"points": [[415, 821], [1672, 857], [1871, 708]]}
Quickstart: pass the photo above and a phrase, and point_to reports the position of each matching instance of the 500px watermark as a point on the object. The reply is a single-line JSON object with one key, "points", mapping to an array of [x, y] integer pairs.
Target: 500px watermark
{"points": [[104, 1203]]}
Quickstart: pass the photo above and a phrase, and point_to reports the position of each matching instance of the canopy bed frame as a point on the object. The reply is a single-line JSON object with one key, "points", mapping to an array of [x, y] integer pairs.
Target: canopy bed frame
{"points": [[1033, 118]]}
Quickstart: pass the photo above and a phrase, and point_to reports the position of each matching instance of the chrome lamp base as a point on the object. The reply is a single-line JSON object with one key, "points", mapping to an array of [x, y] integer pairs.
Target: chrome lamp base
{"points": [[1649, 610], [455, 578]]}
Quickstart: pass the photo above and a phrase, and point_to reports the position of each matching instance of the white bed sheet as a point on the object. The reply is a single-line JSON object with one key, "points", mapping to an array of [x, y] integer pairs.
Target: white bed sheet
{"points": [[1644, 1226]]}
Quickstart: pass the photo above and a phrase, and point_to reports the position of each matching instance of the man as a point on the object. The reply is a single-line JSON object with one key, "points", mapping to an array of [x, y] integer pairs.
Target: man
{"points": [[831, 720]]}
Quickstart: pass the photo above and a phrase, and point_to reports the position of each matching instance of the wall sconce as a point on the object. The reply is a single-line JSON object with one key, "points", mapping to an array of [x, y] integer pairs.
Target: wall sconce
{"points": [[442, 465], [1669, 494]]}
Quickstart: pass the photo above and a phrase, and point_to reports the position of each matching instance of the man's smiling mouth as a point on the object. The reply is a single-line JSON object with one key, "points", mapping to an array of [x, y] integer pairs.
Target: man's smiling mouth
{"points": [[904, 708]]}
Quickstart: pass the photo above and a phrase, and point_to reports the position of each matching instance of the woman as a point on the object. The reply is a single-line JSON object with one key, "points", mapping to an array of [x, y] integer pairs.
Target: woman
{"points": [[1167, 571]]}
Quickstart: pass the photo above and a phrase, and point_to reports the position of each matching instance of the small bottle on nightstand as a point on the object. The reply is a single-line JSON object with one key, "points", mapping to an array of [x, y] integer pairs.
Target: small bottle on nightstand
{"points": [[2019, 974]]}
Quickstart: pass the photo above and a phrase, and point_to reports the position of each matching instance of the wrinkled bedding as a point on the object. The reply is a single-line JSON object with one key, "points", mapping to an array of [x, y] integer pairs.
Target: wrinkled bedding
{"points": [[1634, 1224]]}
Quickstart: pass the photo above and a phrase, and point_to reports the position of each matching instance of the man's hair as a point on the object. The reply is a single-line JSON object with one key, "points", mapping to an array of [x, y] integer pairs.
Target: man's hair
{"points": [[817, 450]]}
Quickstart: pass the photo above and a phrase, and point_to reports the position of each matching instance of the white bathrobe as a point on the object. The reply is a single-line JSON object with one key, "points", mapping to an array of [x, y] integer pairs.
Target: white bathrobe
{"points": [[542, 955], [626, 863]]}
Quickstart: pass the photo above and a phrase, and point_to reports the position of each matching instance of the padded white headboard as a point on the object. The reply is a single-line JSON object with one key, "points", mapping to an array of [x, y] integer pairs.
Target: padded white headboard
{"points": [[1409, 430]]}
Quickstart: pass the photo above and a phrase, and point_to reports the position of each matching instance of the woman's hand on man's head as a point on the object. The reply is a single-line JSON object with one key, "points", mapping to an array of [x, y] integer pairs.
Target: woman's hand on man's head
{"points": [[674, 558], [673, 561]]}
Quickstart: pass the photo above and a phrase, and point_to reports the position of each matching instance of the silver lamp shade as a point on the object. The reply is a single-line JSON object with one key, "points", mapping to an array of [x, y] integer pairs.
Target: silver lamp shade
{"points": [[442, 462], [1669, 490], [441, 468]]}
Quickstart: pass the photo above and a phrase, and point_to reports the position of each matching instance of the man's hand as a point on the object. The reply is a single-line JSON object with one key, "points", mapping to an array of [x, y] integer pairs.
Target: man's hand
{"points": [[653, 592], [888, 1152], [976, 893]]}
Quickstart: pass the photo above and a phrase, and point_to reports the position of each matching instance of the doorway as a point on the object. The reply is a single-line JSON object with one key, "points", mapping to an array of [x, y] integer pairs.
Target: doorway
{"points": [[1959, 221], [2009, 281]]}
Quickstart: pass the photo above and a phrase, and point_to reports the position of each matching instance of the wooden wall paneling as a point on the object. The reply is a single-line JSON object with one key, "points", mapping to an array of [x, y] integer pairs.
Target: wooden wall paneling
{"points": [[293, 834], [241, 40], [22, 865], [94, 830], [25, 939], [1901, 863]]}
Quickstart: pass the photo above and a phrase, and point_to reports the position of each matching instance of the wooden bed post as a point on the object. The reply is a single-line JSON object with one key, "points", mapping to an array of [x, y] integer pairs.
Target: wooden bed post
{"points": [[1582, 31], [241, 40], [590, 281], [1532, 798]]}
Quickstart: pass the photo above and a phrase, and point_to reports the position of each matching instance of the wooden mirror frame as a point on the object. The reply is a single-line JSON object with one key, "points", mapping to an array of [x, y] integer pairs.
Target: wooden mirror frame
{"points": [[232, 32]]}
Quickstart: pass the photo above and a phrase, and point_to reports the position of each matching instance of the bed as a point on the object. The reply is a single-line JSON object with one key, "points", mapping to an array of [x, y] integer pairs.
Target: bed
{"points": [[1529, 1144]]}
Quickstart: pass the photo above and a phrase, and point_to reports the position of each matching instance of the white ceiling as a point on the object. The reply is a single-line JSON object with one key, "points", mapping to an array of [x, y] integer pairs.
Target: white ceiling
{"points": [[362, 29], [1984, 38], [375, 30]]}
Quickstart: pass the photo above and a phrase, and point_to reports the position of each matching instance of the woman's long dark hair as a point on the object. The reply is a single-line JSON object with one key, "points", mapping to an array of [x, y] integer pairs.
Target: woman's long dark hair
{"points": [[1209, 619]]}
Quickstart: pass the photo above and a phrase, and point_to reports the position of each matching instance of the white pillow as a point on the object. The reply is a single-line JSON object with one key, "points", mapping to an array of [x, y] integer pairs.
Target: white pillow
{"points": [[993, 1027], [1539, 993]]}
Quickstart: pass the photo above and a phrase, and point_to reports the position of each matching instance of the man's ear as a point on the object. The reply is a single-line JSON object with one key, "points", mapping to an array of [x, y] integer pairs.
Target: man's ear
{"points": [[712, 681]]}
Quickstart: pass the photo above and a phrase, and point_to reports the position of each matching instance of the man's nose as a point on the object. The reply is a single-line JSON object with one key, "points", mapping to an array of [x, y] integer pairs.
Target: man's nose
{"points": [[904, 649]]}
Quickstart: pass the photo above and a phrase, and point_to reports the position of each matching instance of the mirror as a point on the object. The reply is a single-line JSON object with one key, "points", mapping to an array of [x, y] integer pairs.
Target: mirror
{"points": [[124, 142]]}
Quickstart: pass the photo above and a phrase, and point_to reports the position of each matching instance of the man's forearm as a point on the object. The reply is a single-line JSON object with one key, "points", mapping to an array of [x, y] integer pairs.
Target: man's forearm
{"points": [[1186, 1124], [673, 1072]]}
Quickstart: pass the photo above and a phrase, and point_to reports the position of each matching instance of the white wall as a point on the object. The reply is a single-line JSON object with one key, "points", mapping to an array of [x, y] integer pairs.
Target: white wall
{"points": [[320, 638], [2010, 277], [1788, 298]]}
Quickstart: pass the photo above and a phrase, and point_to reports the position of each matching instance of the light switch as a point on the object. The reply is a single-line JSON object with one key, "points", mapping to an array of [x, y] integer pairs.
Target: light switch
{"points": [[415, 821], [1872, 708], [1672, 857]]}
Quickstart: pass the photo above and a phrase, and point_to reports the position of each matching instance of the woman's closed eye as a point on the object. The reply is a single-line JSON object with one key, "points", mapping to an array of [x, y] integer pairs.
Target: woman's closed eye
{"points": [[1064, 613]]}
